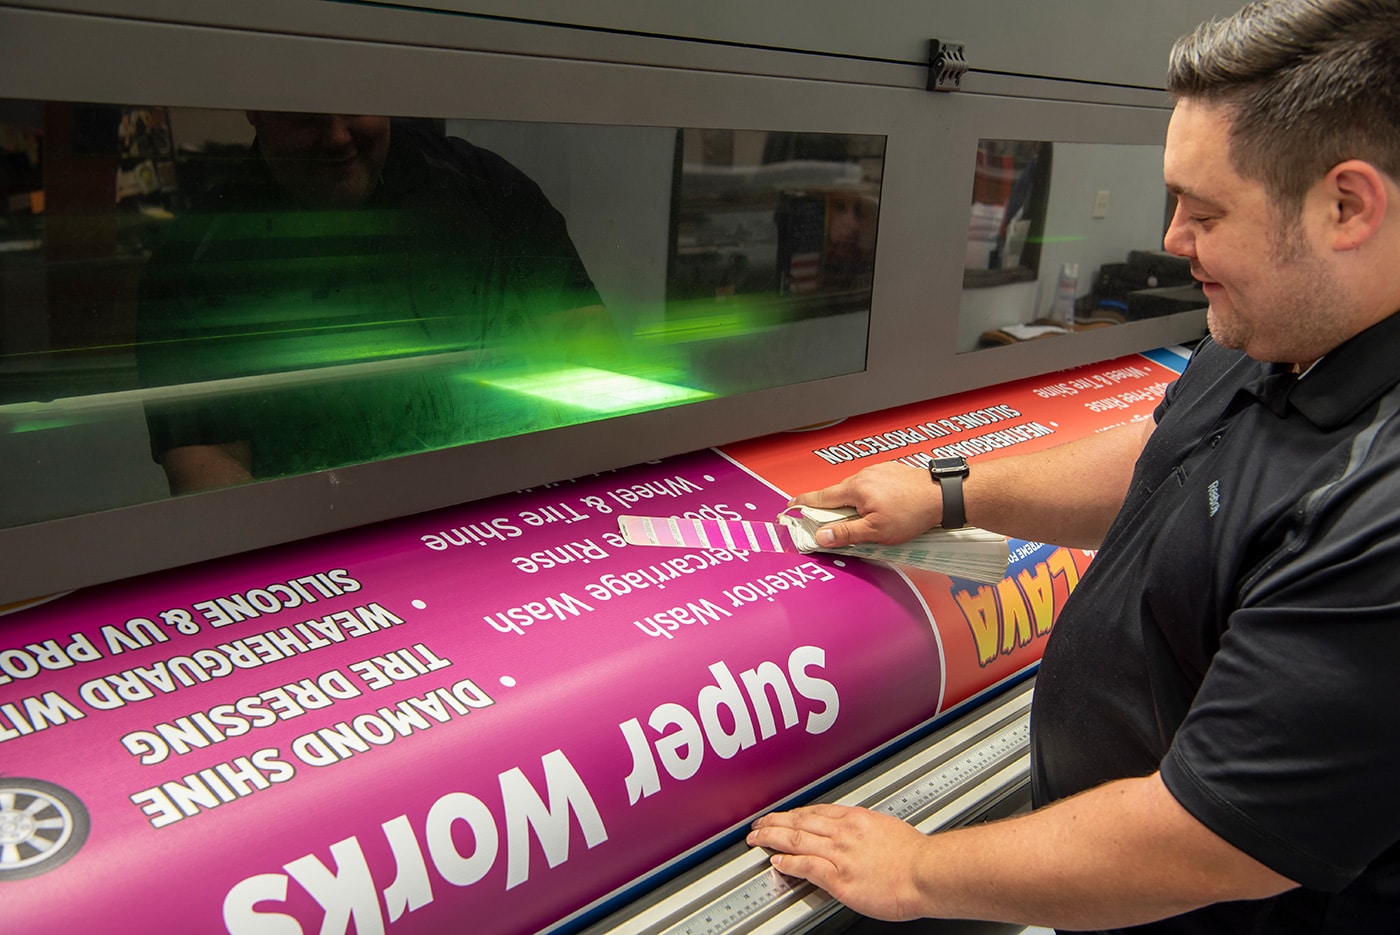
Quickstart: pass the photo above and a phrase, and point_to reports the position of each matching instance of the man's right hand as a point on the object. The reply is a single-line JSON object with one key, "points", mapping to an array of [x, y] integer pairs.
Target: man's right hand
{"points": [[896, 502]]}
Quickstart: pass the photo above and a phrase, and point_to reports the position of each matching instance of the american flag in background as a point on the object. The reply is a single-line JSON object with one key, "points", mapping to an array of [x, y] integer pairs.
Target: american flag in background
{"points": [[804, 272], [801, 239]]}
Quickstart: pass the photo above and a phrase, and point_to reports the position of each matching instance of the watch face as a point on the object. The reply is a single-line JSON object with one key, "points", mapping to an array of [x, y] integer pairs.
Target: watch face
{"points": [[948, 466]]}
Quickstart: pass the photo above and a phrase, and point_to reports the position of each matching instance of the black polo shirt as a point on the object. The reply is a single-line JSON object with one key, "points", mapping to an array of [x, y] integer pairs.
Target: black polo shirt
{"points": [[1240, 630]]}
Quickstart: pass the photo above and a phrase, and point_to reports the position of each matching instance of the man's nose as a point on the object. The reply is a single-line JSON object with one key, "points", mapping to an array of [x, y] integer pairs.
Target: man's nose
{"points": [[335, 133], [1178, 240]]}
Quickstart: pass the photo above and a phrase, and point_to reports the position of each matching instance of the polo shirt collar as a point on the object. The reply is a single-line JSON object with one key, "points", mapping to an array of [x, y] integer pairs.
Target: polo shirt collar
{"points": [[1342, 384]]}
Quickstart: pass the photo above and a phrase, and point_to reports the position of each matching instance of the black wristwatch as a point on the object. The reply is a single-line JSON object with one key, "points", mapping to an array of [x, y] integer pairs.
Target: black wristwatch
{"points": [[948, 474]]}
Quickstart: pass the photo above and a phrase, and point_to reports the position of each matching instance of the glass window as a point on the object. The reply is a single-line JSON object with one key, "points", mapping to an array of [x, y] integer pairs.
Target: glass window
{"points": [[198, 298], [1066, 237]]}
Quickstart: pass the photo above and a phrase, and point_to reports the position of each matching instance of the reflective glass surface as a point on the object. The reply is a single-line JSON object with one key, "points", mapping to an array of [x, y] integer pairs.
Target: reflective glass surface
{"points": [[191, 299], [1067, 237]]}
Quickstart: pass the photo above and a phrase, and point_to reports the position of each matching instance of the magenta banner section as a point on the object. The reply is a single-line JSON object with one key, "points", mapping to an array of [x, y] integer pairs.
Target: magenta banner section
{"points": [[493, 716]]}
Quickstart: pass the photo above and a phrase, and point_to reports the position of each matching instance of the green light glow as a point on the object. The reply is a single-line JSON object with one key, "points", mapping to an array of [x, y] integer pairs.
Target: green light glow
{"points": [[709, 320], [1073, 238], [599, 391], [43, 425]]}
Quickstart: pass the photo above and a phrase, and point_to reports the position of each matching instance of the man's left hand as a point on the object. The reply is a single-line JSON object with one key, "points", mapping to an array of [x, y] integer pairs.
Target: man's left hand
{"points": [[862, 858]]}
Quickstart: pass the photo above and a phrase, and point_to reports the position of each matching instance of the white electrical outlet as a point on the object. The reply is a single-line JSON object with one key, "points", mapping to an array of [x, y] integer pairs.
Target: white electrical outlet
{"points": [[1101, 204]]}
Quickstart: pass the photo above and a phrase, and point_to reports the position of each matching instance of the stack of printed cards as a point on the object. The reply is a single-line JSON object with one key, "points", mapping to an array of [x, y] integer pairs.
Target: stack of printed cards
{"points": [[967, 553]]}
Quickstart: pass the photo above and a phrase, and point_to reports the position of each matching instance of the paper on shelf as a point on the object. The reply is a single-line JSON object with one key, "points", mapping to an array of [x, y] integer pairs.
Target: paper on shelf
{"points": [[1027, 332]]}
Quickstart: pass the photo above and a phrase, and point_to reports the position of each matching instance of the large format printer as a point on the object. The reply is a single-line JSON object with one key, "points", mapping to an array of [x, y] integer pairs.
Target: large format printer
{"points": [[433, 689]]}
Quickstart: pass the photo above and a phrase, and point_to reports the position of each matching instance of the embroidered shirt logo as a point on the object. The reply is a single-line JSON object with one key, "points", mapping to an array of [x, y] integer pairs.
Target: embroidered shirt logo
{"points": [[1213, 497]]}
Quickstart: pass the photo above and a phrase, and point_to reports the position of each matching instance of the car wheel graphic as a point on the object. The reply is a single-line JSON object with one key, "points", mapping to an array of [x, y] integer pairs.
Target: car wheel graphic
{"points": [[41, 826]]}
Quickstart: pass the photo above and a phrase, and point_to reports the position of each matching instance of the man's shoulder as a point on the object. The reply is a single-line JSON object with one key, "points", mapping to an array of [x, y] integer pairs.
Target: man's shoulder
{"points": [[444, 174], [452, 161]]}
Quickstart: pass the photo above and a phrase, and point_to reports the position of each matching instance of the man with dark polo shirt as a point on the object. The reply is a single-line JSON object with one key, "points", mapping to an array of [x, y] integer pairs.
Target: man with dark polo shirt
{"points": [[1214, 737], [339, 295]]}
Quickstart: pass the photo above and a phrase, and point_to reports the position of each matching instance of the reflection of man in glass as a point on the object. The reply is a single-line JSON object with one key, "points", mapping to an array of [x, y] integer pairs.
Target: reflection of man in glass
{"points": [[342, 295], [849, 259], [323, 160]]}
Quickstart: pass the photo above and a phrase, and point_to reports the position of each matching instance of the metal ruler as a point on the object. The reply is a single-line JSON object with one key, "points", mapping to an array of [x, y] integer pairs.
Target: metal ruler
{"points": [[739, 906], [987, 756]]}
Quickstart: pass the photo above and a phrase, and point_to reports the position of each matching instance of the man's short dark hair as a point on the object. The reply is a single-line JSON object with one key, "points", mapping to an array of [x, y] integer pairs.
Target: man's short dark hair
{"points": [[1308, 84]]}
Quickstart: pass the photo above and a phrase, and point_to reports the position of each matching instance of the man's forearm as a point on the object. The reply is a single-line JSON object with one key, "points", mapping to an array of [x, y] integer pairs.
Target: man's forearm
{"points": [[1067, 495], [194, 468], [1122, 854]]}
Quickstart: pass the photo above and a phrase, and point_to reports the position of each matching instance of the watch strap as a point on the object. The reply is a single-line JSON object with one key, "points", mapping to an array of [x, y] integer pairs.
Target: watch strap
{"points": [[948, 474], [954, 514]]}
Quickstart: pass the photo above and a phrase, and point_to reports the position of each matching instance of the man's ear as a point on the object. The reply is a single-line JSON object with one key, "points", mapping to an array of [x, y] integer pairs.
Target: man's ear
{"points": [[1358, 197]]}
